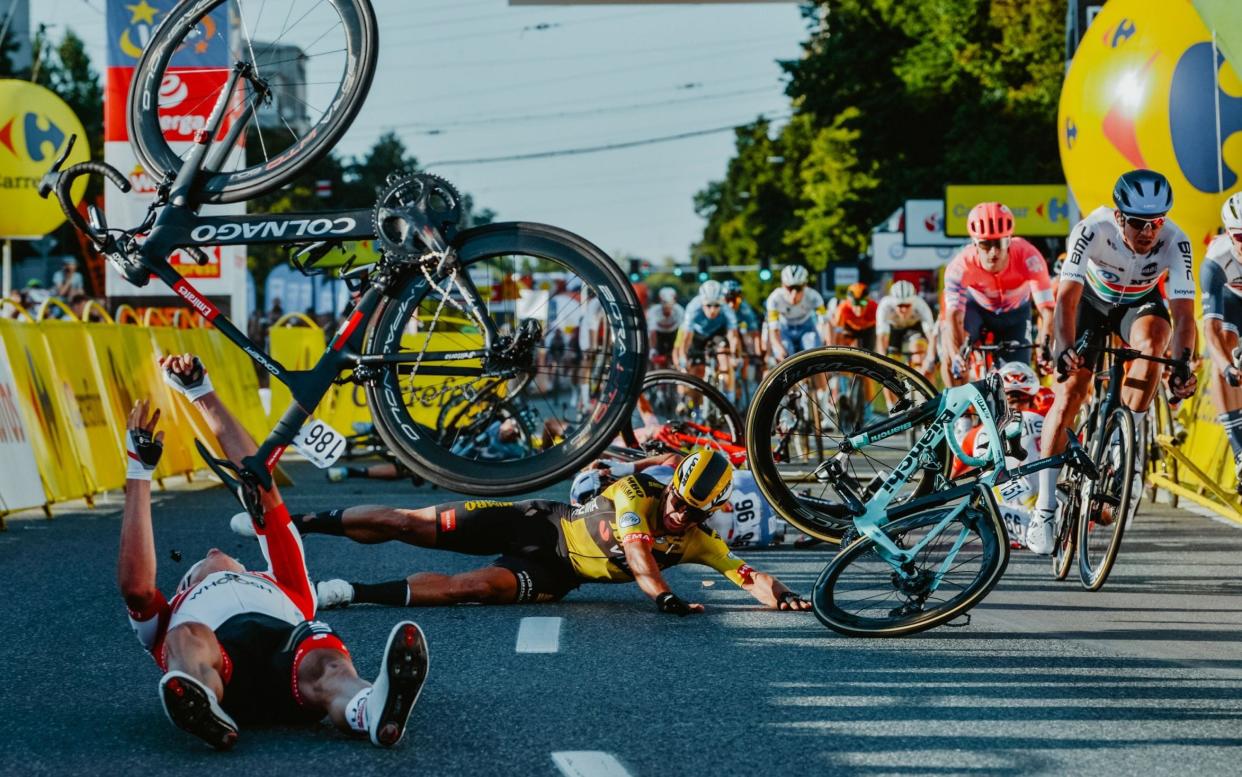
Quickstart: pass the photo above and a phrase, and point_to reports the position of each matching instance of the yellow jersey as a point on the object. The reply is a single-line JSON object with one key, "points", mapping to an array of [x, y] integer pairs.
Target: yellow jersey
{"points": [[629, 511]]}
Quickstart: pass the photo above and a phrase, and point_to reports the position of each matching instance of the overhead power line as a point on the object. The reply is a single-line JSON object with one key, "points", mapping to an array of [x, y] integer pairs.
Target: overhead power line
{"points": [[595, 149]]}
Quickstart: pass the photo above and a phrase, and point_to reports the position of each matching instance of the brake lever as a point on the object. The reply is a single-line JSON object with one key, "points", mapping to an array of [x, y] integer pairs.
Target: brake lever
{"points": [[48, 181]]}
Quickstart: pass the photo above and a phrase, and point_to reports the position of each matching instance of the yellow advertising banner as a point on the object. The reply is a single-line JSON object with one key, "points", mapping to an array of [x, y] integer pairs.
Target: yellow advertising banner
{"points": [[1039, 210], [101, 431], [51, 421]]}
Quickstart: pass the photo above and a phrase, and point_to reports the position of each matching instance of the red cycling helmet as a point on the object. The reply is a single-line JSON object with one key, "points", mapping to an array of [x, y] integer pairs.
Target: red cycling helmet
{"points": [[990, 221]]}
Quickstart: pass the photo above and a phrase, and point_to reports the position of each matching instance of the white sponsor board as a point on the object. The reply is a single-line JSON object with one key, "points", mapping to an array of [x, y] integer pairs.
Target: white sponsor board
{"points": [[224, 276], [890, 252], [924, 224], [20, 485]]}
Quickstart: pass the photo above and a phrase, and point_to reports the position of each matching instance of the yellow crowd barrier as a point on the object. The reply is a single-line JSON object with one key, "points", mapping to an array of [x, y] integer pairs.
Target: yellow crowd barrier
{"points": [[74, 382]]}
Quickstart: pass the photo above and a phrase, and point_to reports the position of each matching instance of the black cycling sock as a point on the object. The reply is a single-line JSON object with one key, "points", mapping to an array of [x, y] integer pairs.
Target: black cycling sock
{"points": [[395, 593], [327, 522], [1232, 421], [357, 472]]}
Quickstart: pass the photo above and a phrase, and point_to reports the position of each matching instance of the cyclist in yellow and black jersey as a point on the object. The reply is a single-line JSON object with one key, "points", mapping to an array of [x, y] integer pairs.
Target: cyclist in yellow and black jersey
{"points": [[633, 530]]}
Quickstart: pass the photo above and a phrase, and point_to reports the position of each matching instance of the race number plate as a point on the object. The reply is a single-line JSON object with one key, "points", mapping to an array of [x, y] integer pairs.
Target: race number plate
{"points": [[319, 443], [1014, 490]]}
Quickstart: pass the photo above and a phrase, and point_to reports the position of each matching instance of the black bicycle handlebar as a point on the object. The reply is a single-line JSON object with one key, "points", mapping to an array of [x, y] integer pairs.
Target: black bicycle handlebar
{"points": [[1082, 347]]}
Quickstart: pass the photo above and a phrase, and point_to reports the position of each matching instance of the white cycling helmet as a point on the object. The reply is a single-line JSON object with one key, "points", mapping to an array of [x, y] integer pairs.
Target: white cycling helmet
{"points": [[1231, 213], [711, 291], [903, 291], [668, 294], [794, 275], [1019, 377]]}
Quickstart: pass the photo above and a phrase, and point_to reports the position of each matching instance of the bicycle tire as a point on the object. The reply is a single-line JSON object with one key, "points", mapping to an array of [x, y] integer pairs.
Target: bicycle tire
{"points": [[824, 523], [161, 161], [1159, 461], [992, 550], [1094, 568], [655, 378], [1063, 546], [419, 450]]}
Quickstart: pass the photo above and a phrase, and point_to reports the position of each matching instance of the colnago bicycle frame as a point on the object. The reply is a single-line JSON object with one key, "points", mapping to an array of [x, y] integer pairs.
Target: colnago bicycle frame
{"points": [[952, 404], [178, 225]]}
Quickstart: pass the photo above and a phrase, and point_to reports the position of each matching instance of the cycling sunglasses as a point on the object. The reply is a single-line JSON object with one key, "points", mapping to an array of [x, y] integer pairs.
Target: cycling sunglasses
{"points": [[689, 512], [1139, 224], [988, 245], [797, 287], [1237, 237], [711, 304]]}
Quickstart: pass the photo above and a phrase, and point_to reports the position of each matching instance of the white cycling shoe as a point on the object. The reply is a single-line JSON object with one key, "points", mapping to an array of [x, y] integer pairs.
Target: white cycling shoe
{"points": [[1041, 531], [402, 674], [243, 525], [330, 594]]}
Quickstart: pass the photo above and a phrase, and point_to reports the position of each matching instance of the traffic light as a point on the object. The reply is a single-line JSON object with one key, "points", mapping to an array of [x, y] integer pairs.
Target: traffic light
{"points": [[705, 266], [765, 269], [636, 270]]}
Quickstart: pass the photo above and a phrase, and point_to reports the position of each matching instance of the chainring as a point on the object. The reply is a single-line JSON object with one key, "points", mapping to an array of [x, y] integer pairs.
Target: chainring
{"points": [[416, 214]]}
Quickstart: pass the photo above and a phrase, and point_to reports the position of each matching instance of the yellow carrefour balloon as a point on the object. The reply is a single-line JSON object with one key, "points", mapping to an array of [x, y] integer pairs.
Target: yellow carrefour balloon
{"points": [[1146, 89], [35, 125]]}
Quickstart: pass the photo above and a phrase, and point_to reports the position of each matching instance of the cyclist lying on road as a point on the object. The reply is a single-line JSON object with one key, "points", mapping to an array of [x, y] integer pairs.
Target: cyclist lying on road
{"points": [[746, 521], [630, 532], [238, 645]]}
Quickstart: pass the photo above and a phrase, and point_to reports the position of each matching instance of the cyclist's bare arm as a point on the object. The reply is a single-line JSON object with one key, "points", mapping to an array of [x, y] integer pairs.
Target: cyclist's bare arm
{"points": [[135, 568], [1065, 318], [235, 441], [1218, 348], [767, 590], [646, 571], [1182, 311]]}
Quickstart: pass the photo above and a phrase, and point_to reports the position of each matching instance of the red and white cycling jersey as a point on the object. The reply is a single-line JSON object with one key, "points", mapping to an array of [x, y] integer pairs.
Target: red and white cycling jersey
{"points": [[1024, 278], [283, 592], [1099, 259]]}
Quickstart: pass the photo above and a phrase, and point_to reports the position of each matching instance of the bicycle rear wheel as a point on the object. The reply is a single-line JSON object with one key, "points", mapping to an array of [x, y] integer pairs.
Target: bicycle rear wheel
{"points": [[794, 425], [671, 396], [1107, 501], [536, 434], [316, 57], [860, 594]]}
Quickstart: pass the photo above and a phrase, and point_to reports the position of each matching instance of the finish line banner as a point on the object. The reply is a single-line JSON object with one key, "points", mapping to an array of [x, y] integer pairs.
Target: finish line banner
{"points": [[187, 94]]}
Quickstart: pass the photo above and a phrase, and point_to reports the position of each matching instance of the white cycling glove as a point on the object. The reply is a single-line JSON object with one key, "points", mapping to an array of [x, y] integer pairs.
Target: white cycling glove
{"points": [[192, 386], [142, 454], [621, 469]]}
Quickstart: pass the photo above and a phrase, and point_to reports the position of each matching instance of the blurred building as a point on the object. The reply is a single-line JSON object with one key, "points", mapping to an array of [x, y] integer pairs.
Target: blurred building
{"points": [[15, 22], [284, 68]]}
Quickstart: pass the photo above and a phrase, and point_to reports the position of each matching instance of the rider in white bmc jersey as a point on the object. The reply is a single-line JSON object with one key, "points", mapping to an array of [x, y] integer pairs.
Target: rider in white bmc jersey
{"points": [[1220, 278], [901, 314], [795, 313], [663, 320], [1109, 286]]}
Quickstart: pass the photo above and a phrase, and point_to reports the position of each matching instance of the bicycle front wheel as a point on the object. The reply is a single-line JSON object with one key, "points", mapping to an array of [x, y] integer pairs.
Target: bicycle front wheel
{"points": [[1108, 501], [491, 418], [795, 423], [315, 58], [671, 397], [861, 594]]}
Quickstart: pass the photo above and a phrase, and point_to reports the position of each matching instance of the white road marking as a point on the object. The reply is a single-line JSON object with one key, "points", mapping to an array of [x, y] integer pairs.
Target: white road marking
{"points": [[539, 635], [588, 763]]}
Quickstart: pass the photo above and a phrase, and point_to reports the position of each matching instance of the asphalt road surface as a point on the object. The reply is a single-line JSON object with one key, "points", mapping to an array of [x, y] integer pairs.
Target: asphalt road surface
{"points": [[1141, 678]]}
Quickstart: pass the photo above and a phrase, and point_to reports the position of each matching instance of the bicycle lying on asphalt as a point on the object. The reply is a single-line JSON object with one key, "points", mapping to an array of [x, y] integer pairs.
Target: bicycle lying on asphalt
{"points": [[421, 332], [917, 549]]}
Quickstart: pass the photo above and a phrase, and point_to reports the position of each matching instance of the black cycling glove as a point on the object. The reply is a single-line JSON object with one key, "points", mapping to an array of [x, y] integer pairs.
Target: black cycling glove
{"points": [[672, 603]]}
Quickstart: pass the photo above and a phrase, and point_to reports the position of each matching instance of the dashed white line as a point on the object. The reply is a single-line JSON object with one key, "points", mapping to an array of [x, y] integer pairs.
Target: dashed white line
{"points": [[539, 635], [588, 763]]}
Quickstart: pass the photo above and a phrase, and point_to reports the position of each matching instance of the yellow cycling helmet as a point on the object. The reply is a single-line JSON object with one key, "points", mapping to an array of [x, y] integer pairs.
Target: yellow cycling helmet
{"points": [[704, 480]]}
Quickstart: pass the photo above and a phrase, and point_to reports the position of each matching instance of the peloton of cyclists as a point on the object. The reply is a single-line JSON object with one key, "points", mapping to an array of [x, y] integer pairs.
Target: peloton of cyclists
{"points": [[1117, 257], [1220, 278], [708, 330], [663, 320], [988, 288]]}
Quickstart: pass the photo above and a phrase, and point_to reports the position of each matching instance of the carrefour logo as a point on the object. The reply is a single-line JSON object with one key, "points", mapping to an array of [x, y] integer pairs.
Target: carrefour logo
{"points": [[41, 137]]}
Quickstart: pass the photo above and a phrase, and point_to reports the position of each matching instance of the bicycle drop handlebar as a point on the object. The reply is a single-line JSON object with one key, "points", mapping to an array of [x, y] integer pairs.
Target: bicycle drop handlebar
{"points": [[60, 182], [1083, 347]]}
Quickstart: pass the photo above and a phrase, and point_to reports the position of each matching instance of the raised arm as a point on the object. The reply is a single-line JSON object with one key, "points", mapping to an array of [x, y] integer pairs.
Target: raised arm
{"points": [[135, 568]]}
